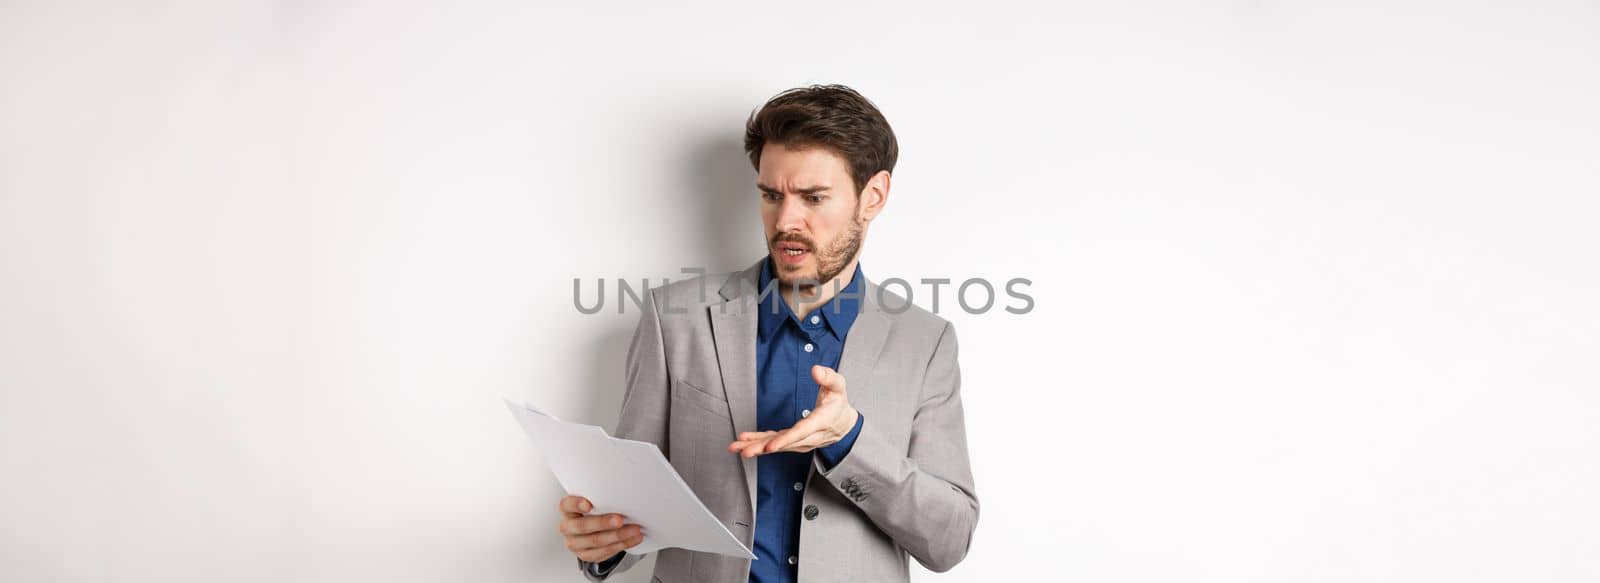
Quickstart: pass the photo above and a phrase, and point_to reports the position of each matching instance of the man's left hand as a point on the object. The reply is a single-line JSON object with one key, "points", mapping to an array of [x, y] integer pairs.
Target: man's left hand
{"points": [[830, 420]]}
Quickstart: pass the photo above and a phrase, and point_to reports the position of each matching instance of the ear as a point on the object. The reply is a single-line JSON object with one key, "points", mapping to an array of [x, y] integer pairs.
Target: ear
{"points": [[874, 195]]}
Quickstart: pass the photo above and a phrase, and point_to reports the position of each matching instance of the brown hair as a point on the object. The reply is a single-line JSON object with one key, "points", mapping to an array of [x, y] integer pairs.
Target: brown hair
{"points": [[829, 116]]}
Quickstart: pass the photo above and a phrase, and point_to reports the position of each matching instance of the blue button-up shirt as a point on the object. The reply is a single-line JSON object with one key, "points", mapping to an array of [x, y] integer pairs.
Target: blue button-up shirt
{"points": [[787, 346]]}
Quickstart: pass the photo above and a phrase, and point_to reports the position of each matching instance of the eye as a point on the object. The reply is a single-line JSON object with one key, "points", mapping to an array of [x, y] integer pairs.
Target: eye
{"points": [[770, 196], [815, 198]]}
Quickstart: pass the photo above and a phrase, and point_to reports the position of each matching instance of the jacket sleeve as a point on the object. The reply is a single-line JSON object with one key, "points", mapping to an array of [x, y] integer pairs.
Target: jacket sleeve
{"points": [[922, 497], [645, 401]]}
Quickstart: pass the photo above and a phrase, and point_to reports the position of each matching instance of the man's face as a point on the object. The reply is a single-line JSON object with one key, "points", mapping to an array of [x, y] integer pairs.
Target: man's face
{"points": [[811, 212]]}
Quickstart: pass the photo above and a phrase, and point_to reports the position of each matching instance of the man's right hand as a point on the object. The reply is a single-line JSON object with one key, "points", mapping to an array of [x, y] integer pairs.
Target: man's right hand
{"points": [[595, 538]]}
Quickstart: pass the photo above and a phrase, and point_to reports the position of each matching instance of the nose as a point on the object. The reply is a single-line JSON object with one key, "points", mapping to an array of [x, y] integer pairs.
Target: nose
{"points": [[791, 215]]}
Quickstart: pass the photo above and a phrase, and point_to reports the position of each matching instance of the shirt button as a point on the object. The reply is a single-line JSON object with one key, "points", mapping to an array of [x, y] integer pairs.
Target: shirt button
{"points": [[815, 319], [811, 512], [809, 347], [805, 413], [798, 486], [793, 559]]}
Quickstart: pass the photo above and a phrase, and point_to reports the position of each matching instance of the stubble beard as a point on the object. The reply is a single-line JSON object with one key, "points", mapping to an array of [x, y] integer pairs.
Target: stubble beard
{"points": [[831, 260]]}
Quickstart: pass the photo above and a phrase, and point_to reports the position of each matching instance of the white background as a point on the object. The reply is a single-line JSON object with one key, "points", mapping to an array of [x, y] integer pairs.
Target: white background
{"points": [[1315, 281]]}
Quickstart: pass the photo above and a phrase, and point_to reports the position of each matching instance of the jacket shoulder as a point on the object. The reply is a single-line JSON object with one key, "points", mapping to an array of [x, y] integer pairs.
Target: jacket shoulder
{"points": [[907, 317]]}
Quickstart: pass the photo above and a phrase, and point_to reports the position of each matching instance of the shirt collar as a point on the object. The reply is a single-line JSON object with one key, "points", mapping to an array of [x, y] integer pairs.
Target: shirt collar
{"points": [[837, 315]]}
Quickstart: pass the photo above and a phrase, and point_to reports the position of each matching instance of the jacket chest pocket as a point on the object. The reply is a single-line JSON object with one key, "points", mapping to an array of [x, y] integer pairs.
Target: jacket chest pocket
{"points": [[686, 393], [699, 420], [699, 431]]}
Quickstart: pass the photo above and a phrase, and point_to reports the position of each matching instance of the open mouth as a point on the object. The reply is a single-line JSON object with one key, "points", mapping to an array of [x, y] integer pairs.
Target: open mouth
{"points": [[790, 253]]}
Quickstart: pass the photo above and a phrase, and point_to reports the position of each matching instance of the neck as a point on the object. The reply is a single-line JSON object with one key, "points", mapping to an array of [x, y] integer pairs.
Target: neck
{"points": [[806, 298]]}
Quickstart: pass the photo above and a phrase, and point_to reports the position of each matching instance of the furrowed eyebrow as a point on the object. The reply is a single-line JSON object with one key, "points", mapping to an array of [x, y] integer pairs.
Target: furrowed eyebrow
{"points": [[806, 190]]}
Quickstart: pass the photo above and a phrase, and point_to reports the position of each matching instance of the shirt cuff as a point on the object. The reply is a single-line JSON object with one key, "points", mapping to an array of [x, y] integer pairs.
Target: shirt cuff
{"points": [[833, 454], [604, 567]]}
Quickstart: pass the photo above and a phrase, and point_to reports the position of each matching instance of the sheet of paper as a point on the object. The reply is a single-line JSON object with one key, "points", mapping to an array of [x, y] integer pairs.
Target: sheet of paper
{"points": [[631, 478]]}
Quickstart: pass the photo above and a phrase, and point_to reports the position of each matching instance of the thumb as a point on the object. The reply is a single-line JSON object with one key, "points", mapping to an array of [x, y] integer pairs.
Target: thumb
{"points": [[827, 378]]}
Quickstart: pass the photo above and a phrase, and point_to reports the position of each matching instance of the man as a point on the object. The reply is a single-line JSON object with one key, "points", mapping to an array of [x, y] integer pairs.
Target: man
{"points": [[745, 392]]}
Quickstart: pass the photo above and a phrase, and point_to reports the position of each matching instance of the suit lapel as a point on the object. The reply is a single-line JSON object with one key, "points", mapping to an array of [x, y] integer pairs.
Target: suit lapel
{"points": [[733, 329], [861, 348]]}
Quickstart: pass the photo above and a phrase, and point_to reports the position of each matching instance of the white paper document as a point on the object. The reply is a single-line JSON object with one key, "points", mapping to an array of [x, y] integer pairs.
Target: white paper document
{"points": [[631, 478]]}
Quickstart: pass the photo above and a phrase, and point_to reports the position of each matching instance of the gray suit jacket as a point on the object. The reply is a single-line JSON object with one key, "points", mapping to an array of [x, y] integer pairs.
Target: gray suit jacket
{"points": [[904, 489]]}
